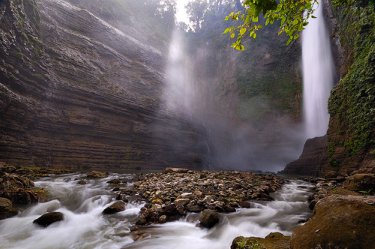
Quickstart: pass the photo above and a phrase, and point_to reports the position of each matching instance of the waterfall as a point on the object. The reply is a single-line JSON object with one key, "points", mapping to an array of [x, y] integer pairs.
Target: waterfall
{"points": [[318, 74], [179, 92]]}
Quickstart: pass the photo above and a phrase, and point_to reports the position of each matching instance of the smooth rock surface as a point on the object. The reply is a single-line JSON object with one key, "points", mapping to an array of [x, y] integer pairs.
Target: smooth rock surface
{"points": [[338, 222], [116, 207], [208, 218], [49, 218]]}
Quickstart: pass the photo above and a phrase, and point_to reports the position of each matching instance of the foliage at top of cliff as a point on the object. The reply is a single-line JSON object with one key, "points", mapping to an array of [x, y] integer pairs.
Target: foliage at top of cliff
{"points": [[292, 16]]}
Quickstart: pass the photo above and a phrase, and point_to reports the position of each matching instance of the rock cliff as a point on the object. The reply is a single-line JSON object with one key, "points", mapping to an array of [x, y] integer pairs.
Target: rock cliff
{"points": [[351, 132], [313, 157], [77, 91]]}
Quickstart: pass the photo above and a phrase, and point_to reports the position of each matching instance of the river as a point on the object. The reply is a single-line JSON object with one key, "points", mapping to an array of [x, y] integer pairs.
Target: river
{"points": [[84, 226]]}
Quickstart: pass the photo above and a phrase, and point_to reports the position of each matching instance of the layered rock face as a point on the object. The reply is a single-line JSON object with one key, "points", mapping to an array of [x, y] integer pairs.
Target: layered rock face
{"points": [[76, 91]]}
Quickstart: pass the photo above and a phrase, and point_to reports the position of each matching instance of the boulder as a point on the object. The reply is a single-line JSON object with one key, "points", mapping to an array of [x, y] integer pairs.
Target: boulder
{"points": [[49, 218], [116, 207], [361, 183], [6, 209], [272, 241], [338, 222], [208, 218]]}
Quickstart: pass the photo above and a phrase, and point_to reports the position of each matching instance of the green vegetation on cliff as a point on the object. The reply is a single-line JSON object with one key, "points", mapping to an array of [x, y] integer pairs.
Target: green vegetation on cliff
{"points": [[352, 104]]}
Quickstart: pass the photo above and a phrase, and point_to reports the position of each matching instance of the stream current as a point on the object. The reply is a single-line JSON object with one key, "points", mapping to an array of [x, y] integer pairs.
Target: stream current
{"points": [[84, 226]]}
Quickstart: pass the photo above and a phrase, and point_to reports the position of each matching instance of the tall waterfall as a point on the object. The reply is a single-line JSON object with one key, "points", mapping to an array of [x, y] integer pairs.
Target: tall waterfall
{"points": [[318, 74], [179, 92]]}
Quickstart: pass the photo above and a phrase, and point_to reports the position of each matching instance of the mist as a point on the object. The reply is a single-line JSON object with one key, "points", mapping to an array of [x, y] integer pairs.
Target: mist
{"points": [[235, 101], [242, 133]]}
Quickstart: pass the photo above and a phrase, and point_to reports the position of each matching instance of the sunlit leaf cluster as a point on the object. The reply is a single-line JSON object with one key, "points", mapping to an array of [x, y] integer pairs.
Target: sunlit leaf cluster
{"points": [[291, 15]]}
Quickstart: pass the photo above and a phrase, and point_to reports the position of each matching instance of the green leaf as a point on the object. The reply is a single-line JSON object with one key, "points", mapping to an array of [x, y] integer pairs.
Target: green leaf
{"points": [[227, 30], [243, 31]]}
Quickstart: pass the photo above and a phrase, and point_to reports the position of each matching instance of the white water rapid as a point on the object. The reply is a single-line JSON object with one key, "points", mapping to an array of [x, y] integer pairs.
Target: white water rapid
{"points": [[84, 227], [318, 74]]}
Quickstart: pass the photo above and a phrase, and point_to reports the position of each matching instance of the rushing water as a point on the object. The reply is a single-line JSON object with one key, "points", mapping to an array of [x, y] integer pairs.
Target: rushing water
{"points": [[84, 227], [318, 74]]}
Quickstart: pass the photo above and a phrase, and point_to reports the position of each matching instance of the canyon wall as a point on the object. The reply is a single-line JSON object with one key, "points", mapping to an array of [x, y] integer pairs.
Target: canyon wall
{"points": [[76, 91]]}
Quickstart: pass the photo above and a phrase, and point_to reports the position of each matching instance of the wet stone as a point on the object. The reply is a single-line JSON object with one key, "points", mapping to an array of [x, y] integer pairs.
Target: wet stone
{"points": [[208, 218], [116, 207], [49, 218], [195, 191]]}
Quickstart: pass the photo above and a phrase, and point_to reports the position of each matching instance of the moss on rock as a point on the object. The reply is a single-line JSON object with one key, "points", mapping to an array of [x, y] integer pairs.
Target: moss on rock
{"points": [[352, 103], [272, 241], [339, 222]]}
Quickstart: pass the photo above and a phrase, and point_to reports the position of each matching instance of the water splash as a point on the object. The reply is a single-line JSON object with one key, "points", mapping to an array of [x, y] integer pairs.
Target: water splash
{"points": [[318, 75]]}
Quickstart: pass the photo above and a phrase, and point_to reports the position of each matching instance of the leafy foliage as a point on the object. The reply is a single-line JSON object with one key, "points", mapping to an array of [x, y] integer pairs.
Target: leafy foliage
{"points": [[292, 15]]}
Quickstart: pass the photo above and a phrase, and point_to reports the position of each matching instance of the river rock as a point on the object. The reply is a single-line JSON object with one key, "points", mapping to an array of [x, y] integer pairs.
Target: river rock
{"points": [[338, 222], [114, 181], [181, 202], [20, 189], [272, 241], [49, 218], [6, 209], [116, 207], [208, 218], [174, 193]]}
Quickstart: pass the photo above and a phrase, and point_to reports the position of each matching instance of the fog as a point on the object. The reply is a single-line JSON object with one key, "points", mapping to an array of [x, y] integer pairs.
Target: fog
{"points": [[266, 143], [201, 83]]}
